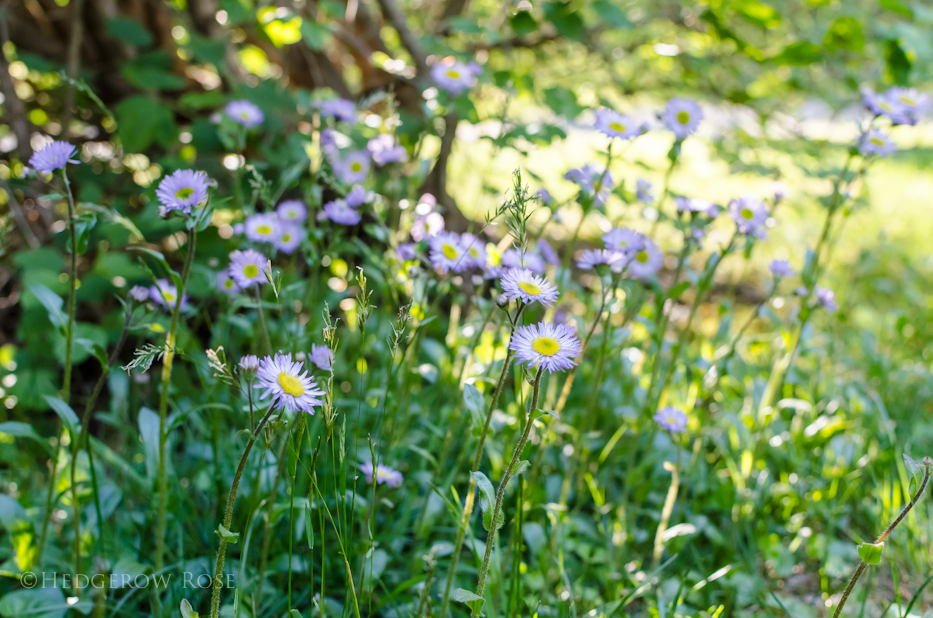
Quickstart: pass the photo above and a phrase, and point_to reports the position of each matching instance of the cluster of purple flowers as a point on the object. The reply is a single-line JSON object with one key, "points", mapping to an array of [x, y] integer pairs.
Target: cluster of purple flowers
{"points": [[594, 184], [345, 211], [625, 250], [283, 228], [680, 116], [899, 105]]}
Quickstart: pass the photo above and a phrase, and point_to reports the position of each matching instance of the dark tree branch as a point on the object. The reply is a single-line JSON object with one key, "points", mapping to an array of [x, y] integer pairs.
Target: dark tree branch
{"points": [[395, 16], [74, 62]]}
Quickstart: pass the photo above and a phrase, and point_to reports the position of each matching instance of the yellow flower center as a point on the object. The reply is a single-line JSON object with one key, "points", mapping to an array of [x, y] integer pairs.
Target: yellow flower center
{"points": [[356, 166], [908, 100], [642, 256], [877, 141], [530, 287], [291, 385], [473, 252], [546, 346], [671, 420], [264, 229], [453, 74], [747, 214], [228, 283], [450, 252], [169, 296], [617, 127], [286, 237], [251, 271], [382, 475], [183, 193], [683, 117]]}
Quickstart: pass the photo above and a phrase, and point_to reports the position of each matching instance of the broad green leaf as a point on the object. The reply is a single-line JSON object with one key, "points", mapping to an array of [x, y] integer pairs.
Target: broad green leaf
{"points": [[316, 35], [801, 53], [871, 552], [67, 415], [475, 405], [142, 121], [465, 596], [487, 500], [520, 467], [128, 31], [757, 12], [24, 430], [187, 611], [845, 33], [523, 23], [52, 303]]}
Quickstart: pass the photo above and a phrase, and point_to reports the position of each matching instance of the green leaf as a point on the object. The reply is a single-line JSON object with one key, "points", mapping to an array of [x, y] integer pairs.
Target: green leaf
{"points": [[801, 53], [611, 14], [679, 289], [67, 415], [230, 537], [97, 350], [899, 65], [23, 430], [128, 31], [520, 467], [871, 552], [465, 596], [83, 226], [523, 23], [187, 611], [142, 120], [562, 101], [315, 35], [201, 100], [149, 432], [845, 33], [567, 21], [52, 303], [916, 472], [898, 7], [475, 404], [757, 12], [487, 500]]}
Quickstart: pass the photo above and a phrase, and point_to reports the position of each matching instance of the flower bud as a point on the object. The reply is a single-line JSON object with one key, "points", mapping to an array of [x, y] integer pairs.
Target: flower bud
{"points": [[502, 301], [249, 365]]}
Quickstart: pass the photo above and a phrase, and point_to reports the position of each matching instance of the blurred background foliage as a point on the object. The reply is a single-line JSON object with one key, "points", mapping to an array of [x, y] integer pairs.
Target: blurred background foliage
{"points": [[780, 84]]}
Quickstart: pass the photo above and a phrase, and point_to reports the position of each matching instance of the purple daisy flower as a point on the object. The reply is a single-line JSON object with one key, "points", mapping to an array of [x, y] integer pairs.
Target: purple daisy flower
{"points": [[384, 474], [427, 226], [341, 109], [682, 117], [139, 293], [592, 258], [289, 385], [340, 212], [406, 251], [447, 253], [357, 196], [552, 347], [165, 294], [353, 167], [183, 190], [329, 141], [385, 150], [612, 123], [750, 215], [672, 419], [624, 240], [475, 250], [454, 76], [513, 258], [245, 113], [689, 204], [523, 285], [322, 357], [647, 261], [781, 268], [226, 284], [875, 142], [592, 182], [547, 252], [263, 227], [292, 210], [246, 267], [53, 156], [545, 196], [905, 105], [290, 235]]}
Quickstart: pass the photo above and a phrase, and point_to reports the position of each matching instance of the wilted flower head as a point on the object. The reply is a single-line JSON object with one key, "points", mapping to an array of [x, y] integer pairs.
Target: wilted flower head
{"points": [[624, 240], [591, 258], [826, 297], [454, 76], [352, 167], [322, 356], [263, 227], [246, 267], [245, 113], [672, 419], [385, 150], [876, 142], [614, 124], [165, 294], [525, 286], [643, 191], [781, 268], [292, 210], [750, 215], [384, 474], [427, 225], [288, 384], [226, 284], [646, 261], [340, 212], [682, 117], [447, 253], [289, 237], [341, 109], [139, 293], [182, 190], [552, 347], [249, 365], [53, 156]]}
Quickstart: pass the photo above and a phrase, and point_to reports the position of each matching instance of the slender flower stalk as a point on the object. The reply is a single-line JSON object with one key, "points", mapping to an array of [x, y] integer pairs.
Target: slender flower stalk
{"points": [[69, 344], [927, 463], [163, 404], [477, 459], [500, 493], [228, 513], [667, 509]]}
